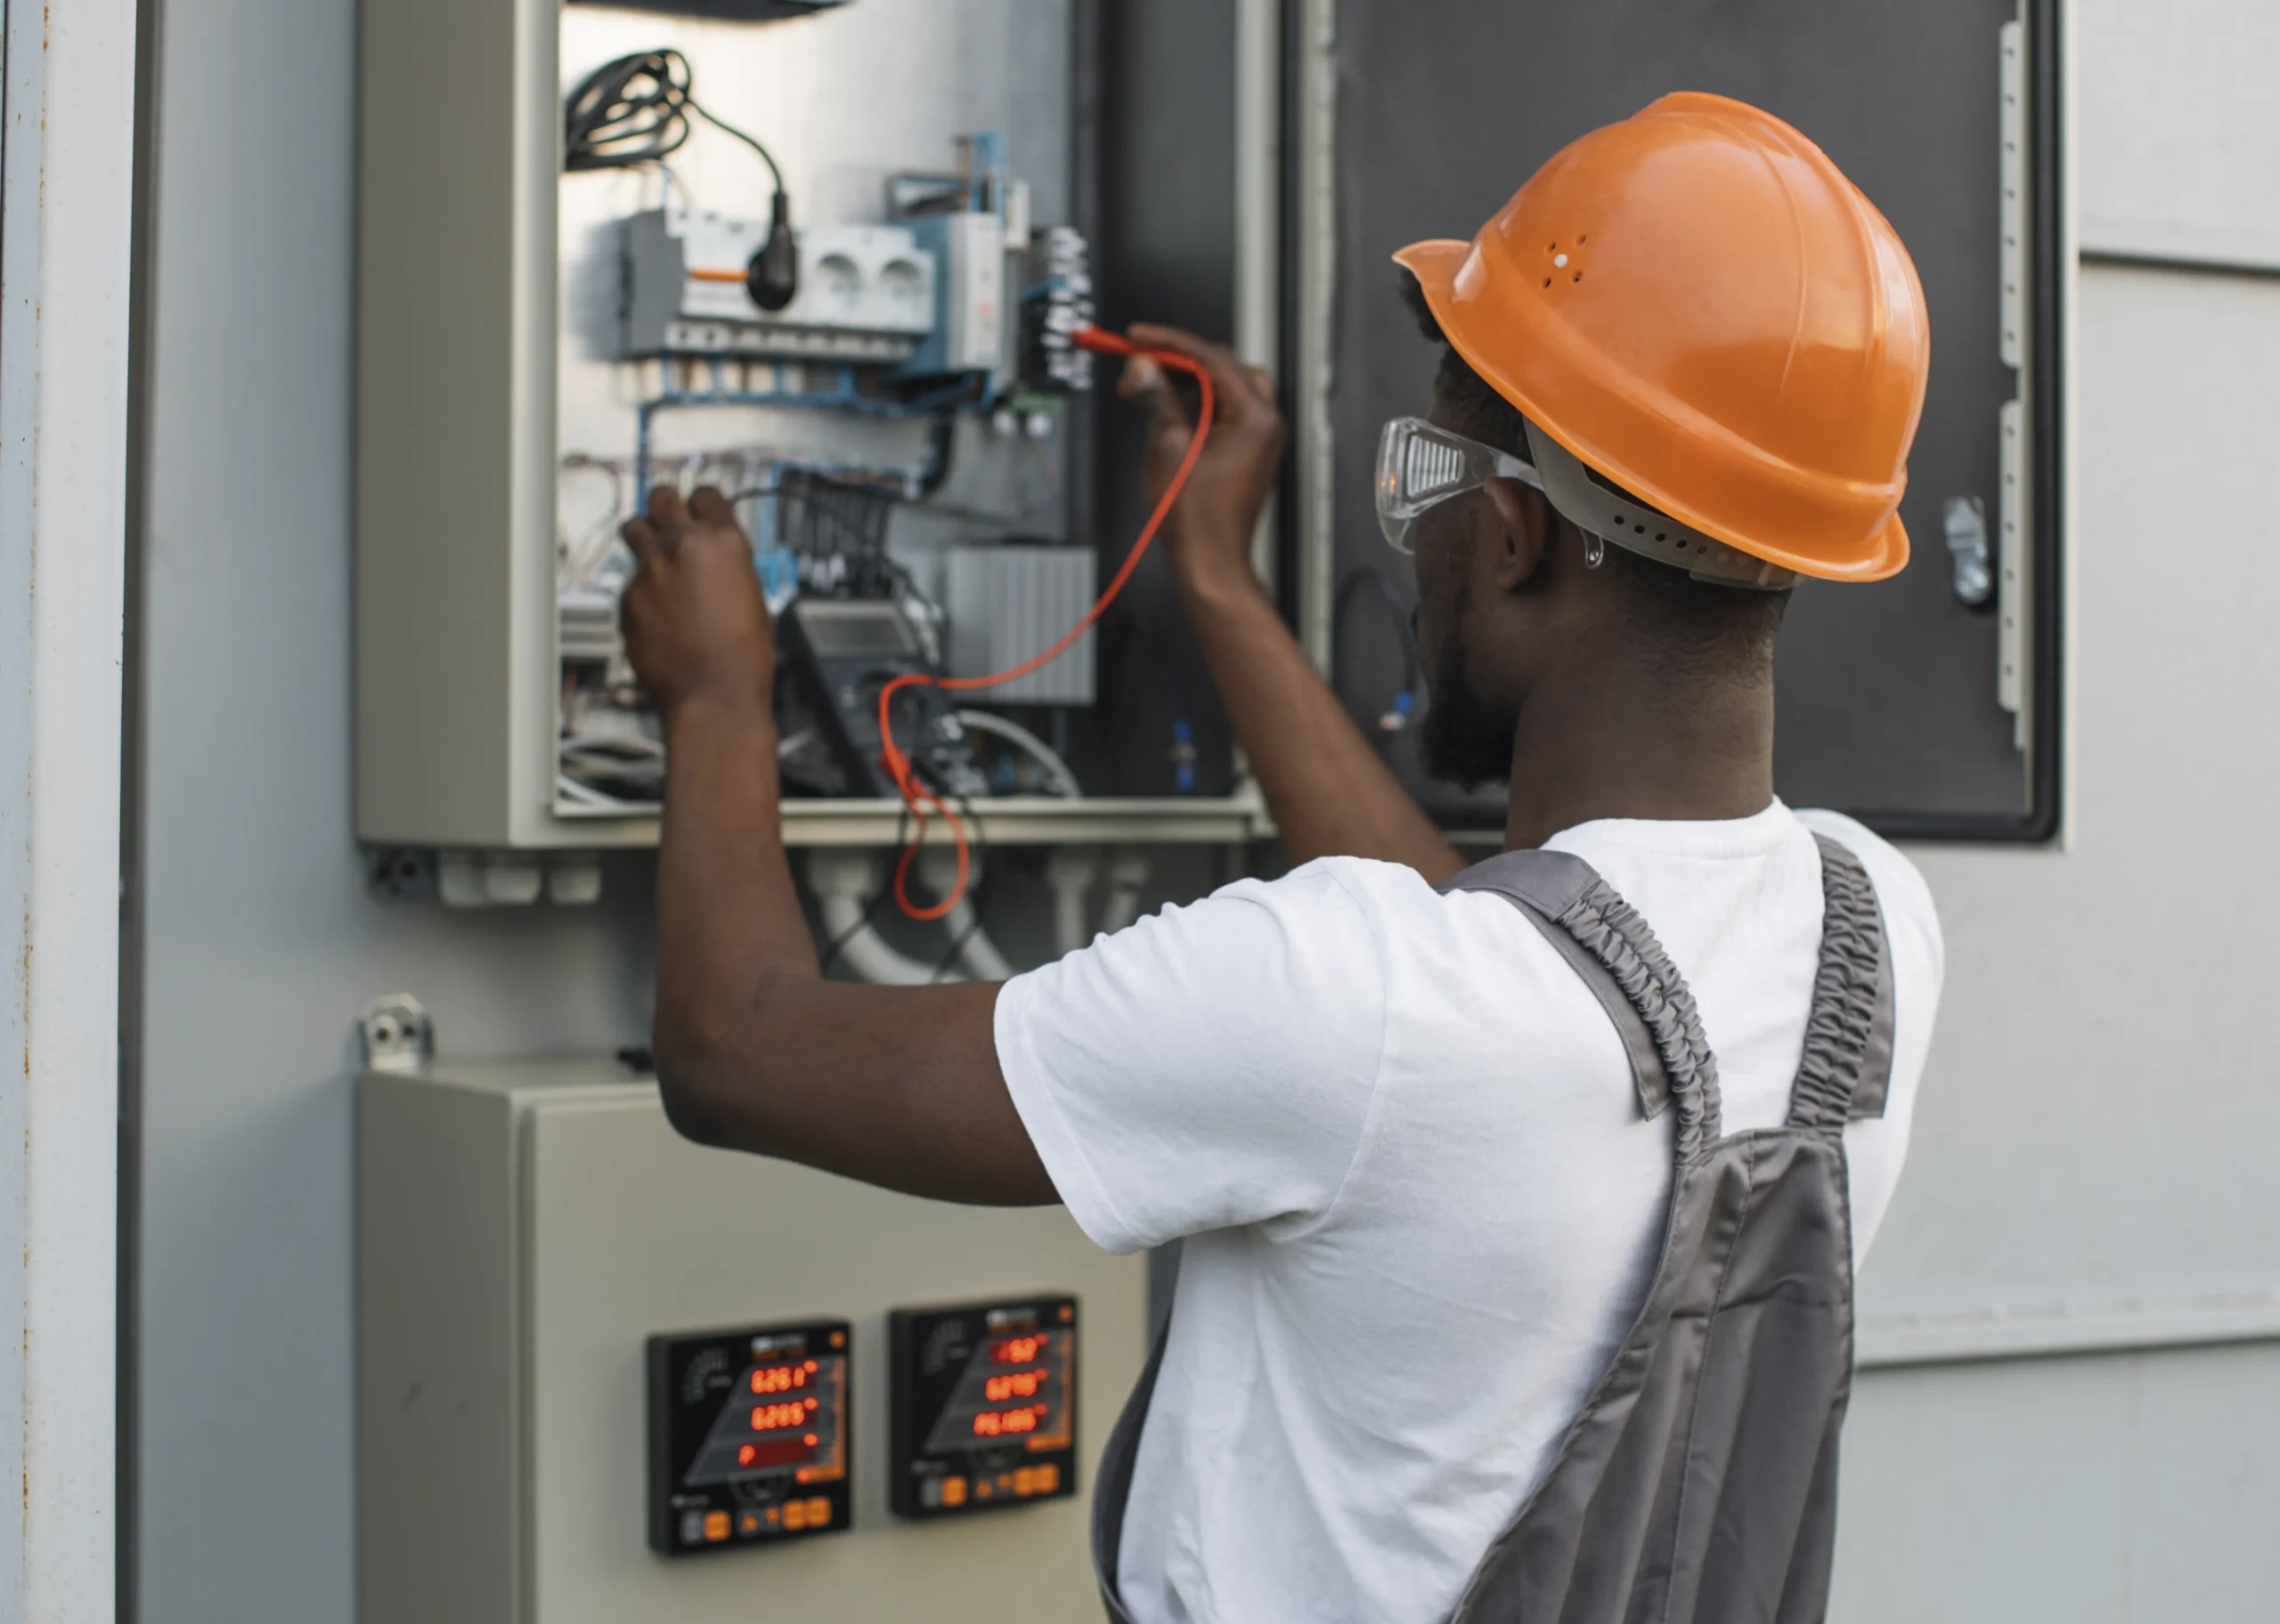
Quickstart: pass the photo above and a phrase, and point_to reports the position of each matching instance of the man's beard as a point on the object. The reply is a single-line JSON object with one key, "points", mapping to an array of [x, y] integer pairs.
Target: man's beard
{"points": [[1465, 739]]}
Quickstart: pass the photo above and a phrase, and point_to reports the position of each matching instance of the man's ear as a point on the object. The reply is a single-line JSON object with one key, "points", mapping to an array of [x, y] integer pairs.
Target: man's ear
{"points": [[1522, 533]]}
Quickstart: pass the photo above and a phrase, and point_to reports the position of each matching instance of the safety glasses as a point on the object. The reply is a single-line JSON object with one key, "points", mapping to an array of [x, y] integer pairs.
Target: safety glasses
{"points": [[1421, 467]]}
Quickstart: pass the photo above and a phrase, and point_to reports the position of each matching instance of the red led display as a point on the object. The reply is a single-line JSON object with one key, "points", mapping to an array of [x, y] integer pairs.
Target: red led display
{"points": [[1017, 1350], [1020, 1385], [773, 1417], [782, 1378], [779, 1452], [1003, 1423]]}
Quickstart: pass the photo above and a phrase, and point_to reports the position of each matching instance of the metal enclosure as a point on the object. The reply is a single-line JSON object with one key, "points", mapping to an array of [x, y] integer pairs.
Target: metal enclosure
{"points": [[1898, 703], [522, 1227], [491, 346]]}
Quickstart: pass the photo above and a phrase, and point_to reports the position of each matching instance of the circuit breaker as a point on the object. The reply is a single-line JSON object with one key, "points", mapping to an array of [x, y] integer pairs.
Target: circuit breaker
{"points": [[830, 259], [605, 1374]]}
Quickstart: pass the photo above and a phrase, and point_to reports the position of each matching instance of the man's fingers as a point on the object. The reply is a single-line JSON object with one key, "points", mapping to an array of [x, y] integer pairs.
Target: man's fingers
{"points": [[641, 536], [1262, 383], [709, 507], [1227, 374], [1140, 379], [667, 511]]}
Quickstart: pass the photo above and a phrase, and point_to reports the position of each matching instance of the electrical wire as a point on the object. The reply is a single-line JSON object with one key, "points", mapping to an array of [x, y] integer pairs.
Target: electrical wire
{"points": [[635, 111], [1056, 770], [981, 896], [916, 796]]}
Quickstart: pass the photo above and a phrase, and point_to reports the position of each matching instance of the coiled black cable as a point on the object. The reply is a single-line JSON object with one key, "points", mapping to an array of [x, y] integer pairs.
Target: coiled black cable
{"points": [[636, 111]]}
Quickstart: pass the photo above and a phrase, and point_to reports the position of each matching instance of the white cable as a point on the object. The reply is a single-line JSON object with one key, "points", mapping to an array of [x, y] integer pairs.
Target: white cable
{"points": [[585, 795], [1056, 771]]}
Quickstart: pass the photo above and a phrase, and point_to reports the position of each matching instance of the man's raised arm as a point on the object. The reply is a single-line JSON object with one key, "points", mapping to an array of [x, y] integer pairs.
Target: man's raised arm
{"points": [[1331, 793], [755, 1050]]}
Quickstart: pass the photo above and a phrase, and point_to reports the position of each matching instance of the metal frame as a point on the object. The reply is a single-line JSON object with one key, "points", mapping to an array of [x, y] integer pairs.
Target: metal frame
{"points": [[67, 256]]}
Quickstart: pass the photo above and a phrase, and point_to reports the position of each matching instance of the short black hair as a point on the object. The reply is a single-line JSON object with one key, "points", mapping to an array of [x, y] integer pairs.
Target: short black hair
{"points": [[1710, 627]]}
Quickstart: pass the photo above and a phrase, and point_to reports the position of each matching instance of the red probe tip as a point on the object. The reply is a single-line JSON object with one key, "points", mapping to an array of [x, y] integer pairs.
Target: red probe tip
{"points": [[1102, 342]]}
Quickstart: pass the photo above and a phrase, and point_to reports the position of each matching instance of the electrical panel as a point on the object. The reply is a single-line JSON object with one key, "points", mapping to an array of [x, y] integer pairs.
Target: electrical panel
{"points": [[605, 1373], [831, 260]]}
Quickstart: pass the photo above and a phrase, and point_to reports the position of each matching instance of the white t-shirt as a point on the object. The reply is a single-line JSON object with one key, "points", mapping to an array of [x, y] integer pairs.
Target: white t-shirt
{"points": [[1401, 1139]]}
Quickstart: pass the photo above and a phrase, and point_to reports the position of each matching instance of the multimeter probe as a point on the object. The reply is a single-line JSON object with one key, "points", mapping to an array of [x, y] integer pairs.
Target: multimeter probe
{"points": [[923, 802]]}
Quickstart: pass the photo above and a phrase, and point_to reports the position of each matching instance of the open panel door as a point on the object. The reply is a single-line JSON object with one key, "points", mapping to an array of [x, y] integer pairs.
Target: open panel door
{"points": [[1901, 704]]}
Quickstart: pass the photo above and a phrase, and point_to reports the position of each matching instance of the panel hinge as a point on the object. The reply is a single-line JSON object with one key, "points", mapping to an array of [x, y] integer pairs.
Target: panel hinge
{"points": [[397, 1033], [2012, 564], [2012, 216]]}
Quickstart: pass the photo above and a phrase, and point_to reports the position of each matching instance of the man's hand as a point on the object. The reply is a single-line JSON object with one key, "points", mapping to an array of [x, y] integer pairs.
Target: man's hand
{"points": [[1329, 790], [696, 628], [1210, 527]]}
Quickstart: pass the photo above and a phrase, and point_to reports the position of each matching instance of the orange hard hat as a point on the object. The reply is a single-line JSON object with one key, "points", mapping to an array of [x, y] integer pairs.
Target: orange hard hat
{"points": [[1697, 304]]}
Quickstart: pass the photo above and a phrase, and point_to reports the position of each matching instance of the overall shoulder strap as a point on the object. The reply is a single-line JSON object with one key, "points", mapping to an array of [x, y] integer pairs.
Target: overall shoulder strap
{"points": [[1846, 1071], [1615, 951]]}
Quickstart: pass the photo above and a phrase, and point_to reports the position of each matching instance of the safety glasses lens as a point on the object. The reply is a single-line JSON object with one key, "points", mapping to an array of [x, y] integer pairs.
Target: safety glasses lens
{"points": [[1418, 467]]}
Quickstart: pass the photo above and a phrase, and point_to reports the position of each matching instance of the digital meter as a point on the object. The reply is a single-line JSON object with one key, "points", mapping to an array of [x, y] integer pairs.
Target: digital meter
{"points": [[849, 649], [748, 1436], [982, 1406]]}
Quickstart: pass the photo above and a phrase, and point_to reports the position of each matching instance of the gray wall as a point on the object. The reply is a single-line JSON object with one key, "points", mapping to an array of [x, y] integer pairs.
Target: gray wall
{"points": [[2094, 1144], [261, 944], [2094, 1167]]}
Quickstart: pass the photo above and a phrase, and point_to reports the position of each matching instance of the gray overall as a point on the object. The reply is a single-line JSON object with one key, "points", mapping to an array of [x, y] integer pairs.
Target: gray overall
{"points": [[1699, 1484]]}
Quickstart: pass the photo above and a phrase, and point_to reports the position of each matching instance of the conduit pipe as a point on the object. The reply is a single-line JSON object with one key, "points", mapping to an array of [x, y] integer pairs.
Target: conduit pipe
{"points": [[843, 883], [1070, 872], [1127, 877]]}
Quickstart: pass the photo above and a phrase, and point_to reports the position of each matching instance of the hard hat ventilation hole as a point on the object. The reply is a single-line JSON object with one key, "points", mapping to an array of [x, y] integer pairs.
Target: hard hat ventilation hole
{"points": [[1580, 241], [1547, 281], [1579, 276]]}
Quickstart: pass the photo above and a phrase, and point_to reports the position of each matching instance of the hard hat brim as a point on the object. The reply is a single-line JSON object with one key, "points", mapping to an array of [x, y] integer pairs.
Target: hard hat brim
{"points": [[1439, 263]]}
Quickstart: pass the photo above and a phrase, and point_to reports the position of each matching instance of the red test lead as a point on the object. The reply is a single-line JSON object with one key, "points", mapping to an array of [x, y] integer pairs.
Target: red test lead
{"points": [[921, 800]]}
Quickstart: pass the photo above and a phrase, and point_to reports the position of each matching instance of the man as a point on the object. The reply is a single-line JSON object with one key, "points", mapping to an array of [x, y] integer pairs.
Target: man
{"points": [[1420, 1205]]}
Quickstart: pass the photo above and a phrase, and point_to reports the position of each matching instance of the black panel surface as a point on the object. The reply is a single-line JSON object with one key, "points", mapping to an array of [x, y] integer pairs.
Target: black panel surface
{"points": [[750, 1436], [982, 1406], [1887, 693], [1165, 252]]}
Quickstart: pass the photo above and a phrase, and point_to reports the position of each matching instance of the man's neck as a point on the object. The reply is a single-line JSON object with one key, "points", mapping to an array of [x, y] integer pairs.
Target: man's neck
{"points": [[1609, 743]]}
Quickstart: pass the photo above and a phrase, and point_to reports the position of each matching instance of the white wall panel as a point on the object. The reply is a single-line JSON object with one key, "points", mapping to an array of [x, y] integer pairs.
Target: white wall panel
{"points": [[2130, 1488], [2099, 1115], [2180, 131]]}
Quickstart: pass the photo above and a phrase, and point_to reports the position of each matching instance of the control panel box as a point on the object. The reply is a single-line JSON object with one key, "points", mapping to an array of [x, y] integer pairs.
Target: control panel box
{"points": [[525, 1229], [749, 1436], [590, 330], [982, 1406]]}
